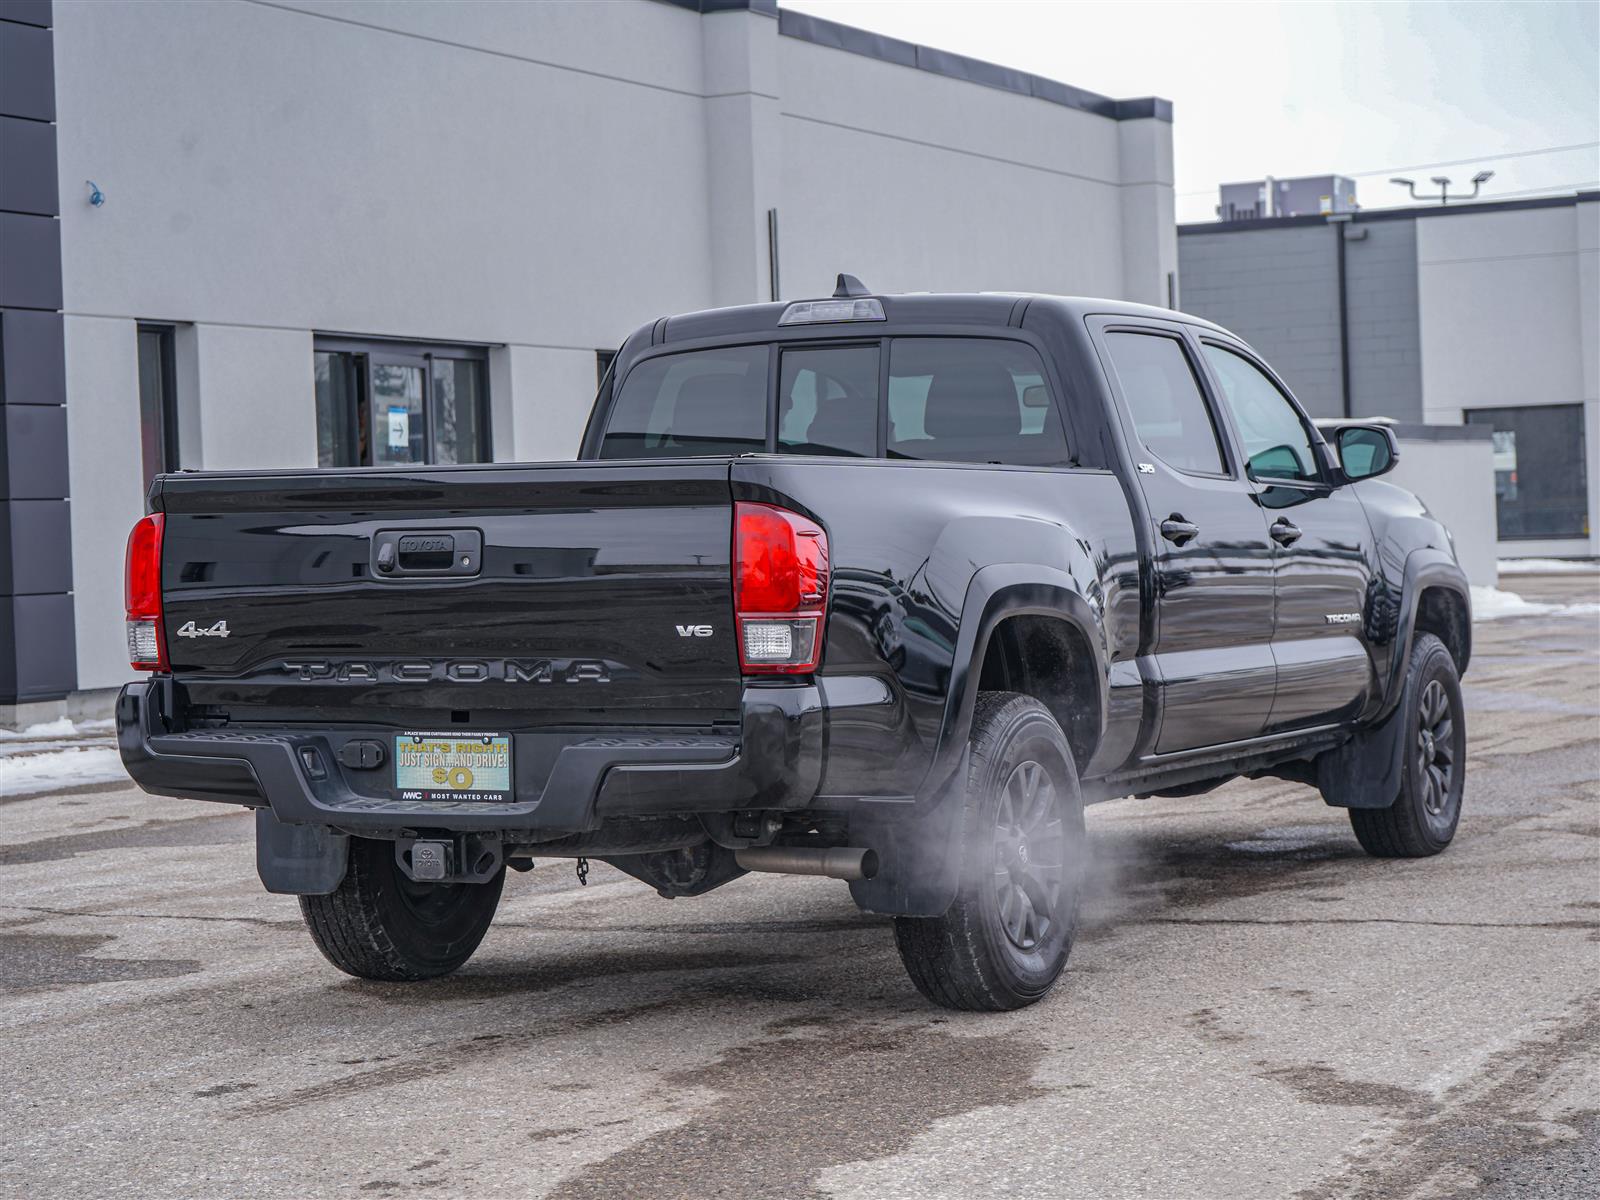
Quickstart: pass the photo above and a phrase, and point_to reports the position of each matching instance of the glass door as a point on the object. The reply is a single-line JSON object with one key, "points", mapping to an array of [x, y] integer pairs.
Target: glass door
{"points": [[396, 426]]}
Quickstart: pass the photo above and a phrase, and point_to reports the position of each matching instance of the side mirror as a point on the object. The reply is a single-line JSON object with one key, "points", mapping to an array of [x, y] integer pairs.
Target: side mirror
{"points": [[1367, 450]]}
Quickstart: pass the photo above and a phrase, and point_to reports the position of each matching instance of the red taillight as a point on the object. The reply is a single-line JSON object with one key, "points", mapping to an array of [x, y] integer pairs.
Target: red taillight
{"points": [[147, 644], [780, 588]]}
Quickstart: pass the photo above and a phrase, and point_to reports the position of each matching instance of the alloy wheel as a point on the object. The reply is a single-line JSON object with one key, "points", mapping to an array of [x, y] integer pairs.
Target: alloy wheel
{"points": [[1436, 749], [1029, 855]]}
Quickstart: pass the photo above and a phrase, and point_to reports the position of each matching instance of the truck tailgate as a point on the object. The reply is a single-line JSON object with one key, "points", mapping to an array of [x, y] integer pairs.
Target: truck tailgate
{"points": [[577, 590]]}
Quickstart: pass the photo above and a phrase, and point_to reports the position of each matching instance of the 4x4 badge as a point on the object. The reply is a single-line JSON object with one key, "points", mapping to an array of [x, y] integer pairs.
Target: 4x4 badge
{"points": [[190, 629]]}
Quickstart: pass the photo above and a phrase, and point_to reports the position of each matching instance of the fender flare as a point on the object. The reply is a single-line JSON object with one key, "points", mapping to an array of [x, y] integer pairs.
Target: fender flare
{"points": [[996, 593], [1425, 568], [919, 845]]}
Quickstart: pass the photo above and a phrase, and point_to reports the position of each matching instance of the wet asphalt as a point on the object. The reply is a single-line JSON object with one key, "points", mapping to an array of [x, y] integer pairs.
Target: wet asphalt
{"points": [[1254, 1009]]}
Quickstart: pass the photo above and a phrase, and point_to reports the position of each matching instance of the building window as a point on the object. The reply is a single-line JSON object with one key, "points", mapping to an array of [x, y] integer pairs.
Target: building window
{"points": [[158, 409], [387, 403], [1540, 479]]}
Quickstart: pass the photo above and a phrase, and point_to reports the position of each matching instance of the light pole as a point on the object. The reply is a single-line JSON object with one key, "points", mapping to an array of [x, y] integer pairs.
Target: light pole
{"points": [[1443, 182]]}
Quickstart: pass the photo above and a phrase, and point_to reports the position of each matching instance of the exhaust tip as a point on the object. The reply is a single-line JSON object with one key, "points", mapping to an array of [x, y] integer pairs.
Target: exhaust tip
{"points": [[832, 862], [869, 864]]}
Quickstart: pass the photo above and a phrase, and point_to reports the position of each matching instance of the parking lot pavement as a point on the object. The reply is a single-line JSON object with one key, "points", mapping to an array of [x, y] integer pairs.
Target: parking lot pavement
{"points": [[1255, 1009]]}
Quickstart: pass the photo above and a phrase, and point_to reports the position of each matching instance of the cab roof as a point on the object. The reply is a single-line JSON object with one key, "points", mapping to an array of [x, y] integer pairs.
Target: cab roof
{"points": [[911, 308]]}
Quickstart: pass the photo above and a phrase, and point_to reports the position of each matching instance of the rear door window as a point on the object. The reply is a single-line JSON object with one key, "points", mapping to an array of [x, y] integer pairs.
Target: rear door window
{"points": [[701, 402], [972, 400], [1163, 397], [828, 401]]}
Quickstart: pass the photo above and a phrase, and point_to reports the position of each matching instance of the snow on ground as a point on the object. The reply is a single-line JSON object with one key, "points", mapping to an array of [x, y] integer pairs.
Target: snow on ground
{"points": [[58, 754], [52, 770], [1491, 604], [1545, 566]]}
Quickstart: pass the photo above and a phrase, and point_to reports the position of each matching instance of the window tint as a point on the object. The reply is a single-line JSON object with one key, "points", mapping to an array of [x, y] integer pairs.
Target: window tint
{"points": [[972, 400], [1276, 444], [1168, 411], [702, 402], [828, 401]]}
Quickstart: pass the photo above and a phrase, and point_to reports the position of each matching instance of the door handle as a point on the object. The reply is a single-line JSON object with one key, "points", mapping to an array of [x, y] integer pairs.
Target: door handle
{"points": [[1178, 531], [1284, 532]]}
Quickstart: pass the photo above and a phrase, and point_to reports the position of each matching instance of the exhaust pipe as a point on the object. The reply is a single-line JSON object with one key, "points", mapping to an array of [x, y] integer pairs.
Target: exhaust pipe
{"points": [[835, 862]]}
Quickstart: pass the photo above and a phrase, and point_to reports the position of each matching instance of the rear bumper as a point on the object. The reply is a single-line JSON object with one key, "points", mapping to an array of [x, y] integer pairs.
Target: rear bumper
{"points": [[565, 782]]}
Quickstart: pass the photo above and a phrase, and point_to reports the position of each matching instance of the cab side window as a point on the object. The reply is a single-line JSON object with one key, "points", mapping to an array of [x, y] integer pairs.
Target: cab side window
{"points": [[981, 400], [1276, 442], [1169, 413]]}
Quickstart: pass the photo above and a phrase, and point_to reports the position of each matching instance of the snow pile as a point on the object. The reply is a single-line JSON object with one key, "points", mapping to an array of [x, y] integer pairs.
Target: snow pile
{"points": [[1545, 566], [1491, 604], [23, 774]]}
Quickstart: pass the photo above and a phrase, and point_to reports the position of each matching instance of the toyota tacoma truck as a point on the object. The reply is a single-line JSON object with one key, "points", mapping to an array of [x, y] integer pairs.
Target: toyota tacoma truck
{"points": [[884, 588]]}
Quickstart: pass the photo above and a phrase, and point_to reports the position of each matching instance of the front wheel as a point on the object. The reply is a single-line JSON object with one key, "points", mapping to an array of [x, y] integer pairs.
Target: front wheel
{"points": [[1004, 941], [381, 924], [1423, 818]]}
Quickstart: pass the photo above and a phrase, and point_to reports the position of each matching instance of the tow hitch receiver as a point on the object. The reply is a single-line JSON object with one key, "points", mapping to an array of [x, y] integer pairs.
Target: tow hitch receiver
{"points": [[464, 858], [430, 860]]}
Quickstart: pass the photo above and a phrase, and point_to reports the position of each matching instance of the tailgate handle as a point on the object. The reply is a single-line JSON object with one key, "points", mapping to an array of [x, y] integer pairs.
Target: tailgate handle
{"points": [[435, 552]]}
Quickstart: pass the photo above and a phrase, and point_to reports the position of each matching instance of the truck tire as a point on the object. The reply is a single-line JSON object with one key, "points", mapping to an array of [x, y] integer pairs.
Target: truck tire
{"points": [[1004, 941], [1423, 818], [380, 924]]}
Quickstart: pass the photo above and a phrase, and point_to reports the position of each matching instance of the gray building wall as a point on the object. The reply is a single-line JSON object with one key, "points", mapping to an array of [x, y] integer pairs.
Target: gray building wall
{"points": [[1278, 288], [1384, 321]]}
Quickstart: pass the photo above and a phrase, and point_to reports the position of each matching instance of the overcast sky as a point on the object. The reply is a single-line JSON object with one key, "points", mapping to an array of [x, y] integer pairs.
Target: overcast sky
{"points": [[1307, 89]]}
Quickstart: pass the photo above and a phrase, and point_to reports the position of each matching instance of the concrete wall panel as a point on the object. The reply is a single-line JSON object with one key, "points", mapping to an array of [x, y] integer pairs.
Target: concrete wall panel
{"points": [[319, 174], [261, 411], [107, 487], [1499, 298]]}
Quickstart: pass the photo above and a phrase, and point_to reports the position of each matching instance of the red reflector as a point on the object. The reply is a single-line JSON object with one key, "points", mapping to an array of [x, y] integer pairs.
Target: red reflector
{"points": [[147, 643], [780, 570]]}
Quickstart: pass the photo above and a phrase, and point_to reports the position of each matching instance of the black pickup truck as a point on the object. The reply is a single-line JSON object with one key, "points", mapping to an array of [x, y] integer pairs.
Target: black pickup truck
{"points": [[883, 588]]}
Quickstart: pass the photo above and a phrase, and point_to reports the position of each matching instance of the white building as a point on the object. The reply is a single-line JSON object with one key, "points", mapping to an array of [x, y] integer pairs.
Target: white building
{"points": [[331, 232]]}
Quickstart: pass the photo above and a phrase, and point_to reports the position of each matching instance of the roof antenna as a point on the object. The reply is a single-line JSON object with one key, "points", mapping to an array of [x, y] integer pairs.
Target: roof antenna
{"points": [[849, 287]]}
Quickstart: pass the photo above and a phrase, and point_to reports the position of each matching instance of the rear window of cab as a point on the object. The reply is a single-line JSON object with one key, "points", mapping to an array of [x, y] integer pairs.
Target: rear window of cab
{"points": [[962, 399]]}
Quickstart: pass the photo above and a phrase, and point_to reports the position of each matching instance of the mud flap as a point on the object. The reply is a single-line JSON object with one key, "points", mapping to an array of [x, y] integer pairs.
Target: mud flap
{"points": [[919, 850], [1365, 772], [299, 860]]}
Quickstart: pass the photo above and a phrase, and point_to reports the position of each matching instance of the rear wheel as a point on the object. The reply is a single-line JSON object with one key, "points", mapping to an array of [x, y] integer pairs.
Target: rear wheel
{"points": [[381, 924], [1423, 818], [1005, 940]]}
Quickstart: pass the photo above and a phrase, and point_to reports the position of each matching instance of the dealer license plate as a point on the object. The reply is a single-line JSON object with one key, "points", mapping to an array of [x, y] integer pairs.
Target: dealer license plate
{"points": [[452, 766]]}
